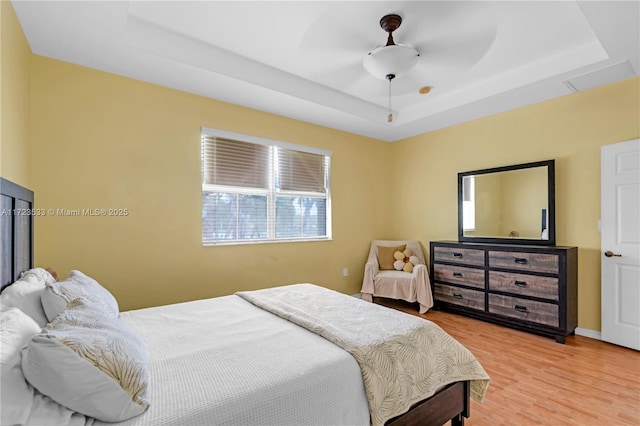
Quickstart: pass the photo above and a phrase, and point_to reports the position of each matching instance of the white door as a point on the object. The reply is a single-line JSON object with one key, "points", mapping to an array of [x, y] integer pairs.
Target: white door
{"points": [[620, 243]]}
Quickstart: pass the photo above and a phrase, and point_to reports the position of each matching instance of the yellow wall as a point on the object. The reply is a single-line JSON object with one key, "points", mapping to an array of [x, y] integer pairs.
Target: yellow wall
{"points": [[104, 141], [570, 129], [15, 57], [524, 195]]}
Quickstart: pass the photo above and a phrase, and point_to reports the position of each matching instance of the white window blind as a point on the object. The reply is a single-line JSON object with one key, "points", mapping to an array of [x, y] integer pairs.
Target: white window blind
{"points": [[258, 190], [301, 171], [234, 163]]}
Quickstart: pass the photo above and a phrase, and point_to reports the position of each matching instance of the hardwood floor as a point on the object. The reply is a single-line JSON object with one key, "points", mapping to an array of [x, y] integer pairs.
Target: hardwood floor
{"points": [[536, 381]]}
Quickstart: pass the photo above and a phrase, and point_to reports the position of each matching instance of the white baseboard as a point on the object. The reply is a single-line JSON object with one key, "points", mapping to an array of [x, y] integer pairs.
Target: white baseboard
{"points": [[589, 333]]}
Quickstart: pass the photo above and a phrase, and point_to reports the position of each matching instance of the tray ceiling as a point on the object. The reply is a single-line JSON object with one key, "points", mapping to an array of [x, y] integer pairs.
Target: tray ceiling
{"points": [[303, 59]]}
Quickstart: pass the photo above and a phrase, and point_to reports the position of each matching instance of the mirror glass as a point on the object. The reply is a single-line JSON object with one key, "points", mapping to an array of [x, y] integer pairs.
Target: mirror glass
{"points": [[512, 204]]}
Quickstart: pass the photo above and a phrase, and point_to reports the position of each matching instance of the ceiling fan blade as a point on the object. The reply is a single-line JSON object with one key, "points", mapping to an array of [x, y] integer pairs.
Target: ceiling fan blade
{"points": [[410, 83], [452, 34], [352, 79], [341, 27], [457, 52], [349, 40], [444, 19]]}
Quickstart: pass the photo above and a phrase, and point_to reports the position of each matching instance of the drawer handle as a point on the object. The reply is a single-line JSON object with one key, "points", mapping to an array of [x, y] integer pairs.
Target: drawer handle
{"points": [[521, 308], [520, 260], [455, 254], [457, 274], [520, 283], [457, 295]]}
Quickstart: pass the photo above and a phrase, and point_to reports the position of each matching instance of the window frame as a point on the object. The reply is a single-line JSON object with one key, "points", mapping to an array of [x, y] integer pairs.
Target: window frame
{"points": [[271, 193]]}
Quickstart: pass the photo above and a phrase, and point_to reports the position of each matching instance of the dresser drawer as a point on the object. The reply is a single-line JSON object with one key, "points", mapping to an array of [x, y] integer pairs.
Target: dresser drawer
{"points": [[528, 310], [459, 275], [534, 262], [523, 284], [458, 255], [460, 296]]}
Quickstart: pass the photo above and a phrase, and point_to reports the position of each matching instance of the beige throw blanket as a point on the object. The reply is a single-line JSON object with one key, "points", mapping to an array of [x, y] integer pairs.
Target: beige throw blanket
{"points": [[404, 359]]}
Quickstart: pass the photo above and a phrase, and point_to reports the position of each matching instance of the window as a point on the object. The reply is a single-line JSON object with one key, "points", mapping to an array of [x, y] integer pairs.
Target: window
{"points": [[259, 190], [468, 203]]}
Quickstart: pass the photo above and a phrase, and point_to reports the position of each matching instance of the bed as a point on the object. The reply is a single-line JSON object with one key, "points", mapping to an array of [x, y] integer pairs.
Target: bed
{"points": [[273, 356]]}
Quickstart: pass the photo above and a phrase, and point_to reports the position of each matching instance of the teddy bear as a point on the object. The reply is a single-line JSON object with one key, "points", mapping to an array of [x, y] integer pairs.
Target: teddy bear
{"points": [[405, 260]]}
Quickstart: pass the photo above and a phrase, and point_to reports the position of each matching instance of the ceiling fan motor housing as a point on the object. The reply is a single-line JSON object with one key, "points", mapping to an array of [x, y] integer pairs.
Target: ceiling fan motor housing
{"points": [[390, 23]]}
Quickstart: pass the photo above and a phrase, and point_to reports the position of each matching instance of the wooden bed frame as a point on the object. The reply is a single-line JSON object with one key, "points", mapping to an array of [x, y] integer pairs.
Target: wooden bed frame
{"points": [[16, 231], [16, 254]]}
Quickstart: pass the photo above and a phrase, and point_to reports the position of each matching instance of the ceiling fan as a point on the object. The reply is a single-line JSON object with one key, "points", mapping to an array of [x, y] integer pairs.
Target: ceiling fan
{"points": [[391, 60], [436, 42]]}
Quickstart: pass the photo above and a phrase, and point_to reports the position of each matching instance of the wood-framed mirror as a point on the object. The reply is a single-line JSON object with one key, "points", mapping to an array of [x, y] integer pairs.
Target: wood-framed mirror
{"points": [[508, 205]]}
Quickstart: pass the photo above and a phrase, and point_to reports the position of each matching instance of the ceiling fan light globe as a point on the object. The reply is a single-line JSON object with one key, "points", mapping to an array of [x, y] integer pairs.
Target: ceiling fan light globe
{"points": [[395, 59]]}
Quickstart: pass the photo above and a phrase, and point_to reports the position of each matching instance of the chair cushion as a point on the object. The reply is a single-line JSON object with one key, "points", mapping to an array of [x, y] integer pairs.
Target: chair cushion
{"points": [[385, 256]]}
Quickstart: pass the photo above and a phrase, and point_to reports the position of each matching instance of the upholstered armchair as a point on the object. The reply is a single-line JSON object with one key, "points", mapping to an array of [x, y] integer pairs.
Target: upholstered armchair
{"points": [[382, 280]]}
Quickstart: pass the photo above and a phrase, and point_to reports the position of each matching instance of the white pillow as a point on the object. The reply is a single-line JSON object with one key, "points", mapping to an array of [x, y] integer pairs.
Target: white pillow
{"points": [[16, 330], [25, 294], [91, 363], [57, 295]]}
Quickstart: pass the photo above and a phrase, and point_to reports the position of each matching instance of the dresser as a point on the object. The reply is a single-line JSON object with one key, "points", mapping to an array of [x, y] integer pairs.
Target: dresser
{"points": [[531, 288]]}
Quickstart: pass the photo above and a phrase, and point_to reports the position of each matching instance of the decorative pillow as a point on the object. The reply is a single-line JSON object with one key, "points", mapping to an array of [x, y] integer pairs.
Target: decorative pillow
{"points": [[58, 294], [91, 363], [405, 261], [25, 294], [385, 256], [16, 330]]}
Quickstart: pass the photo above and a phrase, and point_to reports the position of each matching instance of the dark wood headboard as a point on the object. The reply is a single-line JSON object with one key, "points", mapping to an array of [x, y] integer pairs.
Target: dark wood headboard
{"points": [[16, 231]]}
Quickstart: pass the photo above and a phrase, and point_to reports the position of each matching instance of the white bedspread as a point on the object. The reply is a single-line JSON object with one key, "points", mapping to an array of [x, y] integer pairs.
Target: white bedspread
{"points": [[404, 359], [224, 361]]}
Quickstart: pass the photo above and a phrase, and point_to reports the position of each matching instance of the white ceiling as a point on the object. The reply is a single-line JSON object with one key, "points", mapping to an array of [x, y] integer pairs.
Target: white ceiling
{"points": [[303, 59]]}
